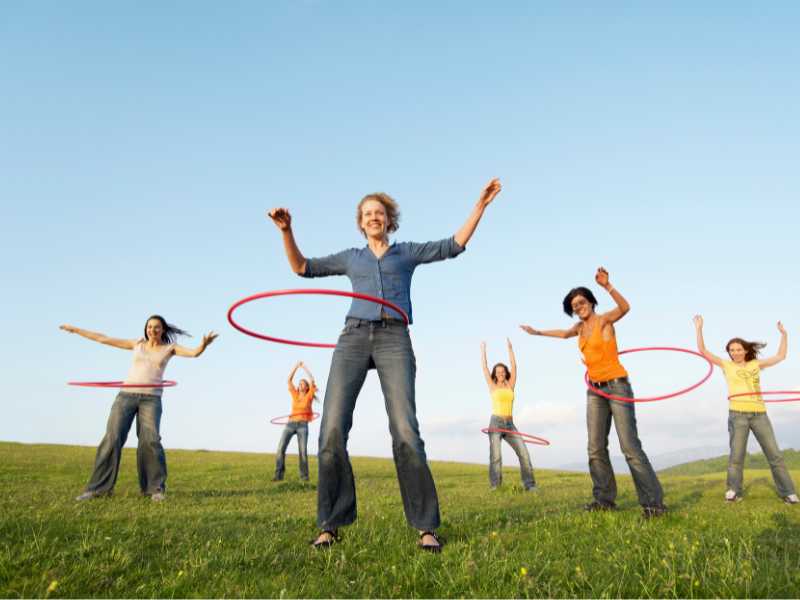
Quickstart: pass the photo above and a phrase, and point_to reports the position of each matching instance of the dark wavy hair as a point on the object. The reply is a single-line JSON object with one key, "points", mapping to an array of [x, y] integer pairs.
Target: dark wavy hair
{"points": [[751, 349], [170, 331], [494, 371], [573, 293]]}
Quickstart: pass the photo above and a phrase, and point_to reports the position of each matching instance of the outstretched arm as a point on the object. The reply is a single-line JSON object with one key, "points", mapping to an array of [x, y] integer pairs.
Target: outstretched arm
{"points": [[290, 381], [195, 352], [488, 194], [622, 307], [99, 337], [556, 333], [283, 221], [701, 345], [486, 374], [512, 378], [781, 355]]}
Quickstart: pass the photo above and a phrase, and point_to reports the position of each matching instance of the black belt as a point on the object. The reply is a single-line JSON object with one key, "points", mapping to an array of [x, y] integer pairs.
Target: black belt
{"points": [[609, 382]]}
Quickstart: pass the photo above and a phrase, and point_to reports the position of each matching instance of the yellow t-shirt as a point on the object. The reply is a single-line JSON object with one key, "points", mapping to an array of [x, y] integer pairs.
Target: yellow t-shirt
{"points": [[744, 379], [502, 402]]}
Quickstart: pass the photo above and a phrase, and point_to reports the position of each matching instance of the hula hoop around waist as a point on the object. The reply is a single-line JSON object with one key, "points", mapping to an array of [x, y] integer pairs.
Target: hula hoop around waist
{"points": [[121, 384], [269, 338], [775, 393], [526, 437], [277, 420]]}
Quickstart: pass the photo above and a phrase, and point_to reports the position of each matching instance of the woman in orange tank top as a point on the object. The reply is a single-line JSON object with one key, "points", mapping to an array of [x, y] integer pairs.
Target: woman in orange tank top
{"points": [[598, 343]]}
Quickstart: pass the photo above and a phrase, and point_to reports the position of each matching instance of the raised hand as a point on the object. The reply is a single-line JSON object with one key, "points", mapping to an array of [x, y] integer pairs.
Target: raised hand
{"points": [[781, 329], [528, 329], [208, 338], [698, 322], [601, 277], [508, 342], [281, 218], [489, 192]]}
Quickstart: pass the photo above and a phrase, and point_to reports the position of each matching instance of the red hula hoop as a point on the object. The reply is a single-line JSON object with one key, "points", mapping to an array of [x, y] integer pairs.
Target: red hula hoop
{"points": [[654, 398], [526, 437], [121, 384], [795, 399], [277, 421], [270, 338]]}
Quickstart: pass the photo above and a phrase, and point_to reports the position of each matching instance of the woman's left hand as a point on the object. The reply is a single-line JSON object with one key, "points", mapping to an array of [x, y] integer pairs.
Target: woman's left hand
{"points": [[208, 338], [489, 192], [781, 329], [601, 277]]}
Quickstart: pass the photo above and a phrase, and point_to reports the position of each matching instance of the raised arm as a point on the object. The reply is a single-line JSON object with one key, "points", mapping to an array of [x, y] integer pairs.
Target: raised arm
{"points": [[488, 194], [99, 337], [622, 307], [781, 355], [701, 344], [486, 374], [195, 352], [283, 221], [512, 378], [310, 376], [556, 333]]}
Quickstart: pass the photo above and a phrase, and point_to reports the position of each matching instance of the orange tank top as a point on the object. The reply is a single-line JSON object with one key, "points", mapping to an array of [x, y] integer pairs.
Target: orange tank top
{"points": [[600, 356]]}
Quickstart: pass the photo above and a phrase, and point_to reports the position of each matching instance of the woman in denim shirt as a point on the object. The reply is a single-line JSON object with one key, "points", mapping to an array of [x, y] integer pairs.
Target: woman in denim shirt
{"points": [[376, 337]]}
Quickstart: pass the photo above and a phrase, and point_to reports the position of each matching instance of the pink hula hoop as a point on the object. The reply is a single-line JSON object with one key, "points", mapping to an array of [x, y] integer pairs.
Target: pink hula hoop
{"points": [[120, 384], [795, 399], [599, 392], [269, 338], [278, 421], [526, 437]]}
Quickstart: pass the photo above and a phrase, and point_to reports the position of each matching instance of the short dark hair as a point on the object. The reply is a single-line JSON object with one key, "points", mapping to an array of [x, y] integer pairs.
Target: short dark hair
{"points": [[494, 371], [573, 293], [751, 349], [170, 331]]}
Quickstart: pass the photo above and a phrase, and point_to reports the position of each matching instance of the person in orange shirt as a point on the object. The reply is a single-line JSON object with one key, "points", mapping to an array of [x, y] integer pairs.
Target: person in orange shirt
{"points": [[302, 397], [598, 344]]}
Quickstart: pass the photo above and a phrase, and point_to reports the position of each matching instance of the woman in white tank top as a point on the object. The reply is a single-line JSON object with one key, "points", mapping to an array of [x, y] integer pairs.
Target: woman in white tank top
{"points": [[150, 357]]}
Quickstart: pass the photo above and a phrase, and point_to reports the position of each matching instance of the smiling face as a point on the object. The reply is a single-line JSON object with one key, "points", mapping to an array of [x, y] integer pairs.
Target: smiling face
{"points": [[154, 330], [500, 373], [303, 387], [581, 307], [374, 220], [737, 352]]}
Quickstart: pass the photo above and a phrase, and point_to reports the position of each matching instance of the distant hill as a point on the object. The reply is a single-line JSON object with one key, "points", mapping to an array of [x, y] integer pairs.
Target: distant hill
{"points": [[720, 464]]}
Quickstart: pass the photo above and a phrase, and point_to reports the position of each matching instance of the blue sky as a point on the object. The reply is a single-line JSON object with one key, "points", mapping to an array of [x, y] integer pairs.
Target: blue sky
{"points": [[143, 143]]}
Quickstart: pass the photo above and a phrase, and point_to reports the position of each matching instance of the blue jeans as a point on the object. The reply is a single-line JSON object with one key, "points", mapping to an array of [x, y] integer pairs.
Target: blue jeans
{"points": [[599, 413], [385, 346], [150, 459], [301, 429], [739, 426], [496, 455]]}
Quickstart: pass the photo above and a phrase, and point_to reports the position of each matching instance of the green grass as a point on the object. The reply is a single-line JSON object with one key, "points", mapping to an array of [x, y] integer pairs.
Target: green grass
{"points": [[720, 463], [226, 530]]}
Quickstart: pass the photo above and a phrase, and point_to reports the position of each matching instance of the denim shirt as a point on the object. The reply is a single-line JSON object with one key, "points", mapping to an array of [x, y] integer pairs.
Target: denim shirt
{"points": [[388, 277]]}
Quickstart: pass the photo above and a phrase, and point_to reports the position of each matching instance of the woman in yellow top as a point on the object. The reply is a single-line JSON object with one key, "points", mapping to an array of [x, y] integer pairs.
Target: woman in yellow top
{"points": [[746, 413], [302, 397], [598, 344], [501, 381]]}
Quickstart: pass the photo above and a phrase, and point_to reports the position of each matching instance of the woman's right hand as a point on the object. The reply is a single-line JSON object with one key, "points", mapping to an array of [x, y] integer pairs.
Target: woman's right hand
{"points": [[530, 330], [68, 328], [698, 322], [281, 218]]}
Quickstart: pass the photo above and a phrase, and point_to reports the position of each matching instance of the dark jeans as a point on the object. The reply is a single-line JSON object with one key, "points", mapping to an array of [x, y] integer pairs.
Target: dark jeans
{"points": [[739, 426], [496, 454], [150, 460], [300, 428], [599, 413], [385, 346]]}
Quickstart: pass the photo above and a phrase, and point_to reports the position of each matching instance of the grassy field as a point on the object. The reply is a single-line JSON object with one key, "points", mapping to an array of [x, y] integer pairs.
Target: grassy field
{"points": [[226, 530]]}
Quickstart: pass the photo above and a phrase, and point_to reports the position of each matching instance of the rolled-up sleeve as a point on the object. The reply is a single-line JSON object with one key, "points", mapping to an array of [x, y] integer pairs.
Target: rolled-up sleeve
{"points": [[334, 264], [434, 251]]}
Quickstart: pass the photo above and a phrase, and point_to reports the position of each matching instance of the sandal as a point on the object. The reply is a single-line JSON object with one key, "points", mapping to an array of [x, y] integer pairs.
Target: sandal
{"points": [[434, 548], [333, 537]]}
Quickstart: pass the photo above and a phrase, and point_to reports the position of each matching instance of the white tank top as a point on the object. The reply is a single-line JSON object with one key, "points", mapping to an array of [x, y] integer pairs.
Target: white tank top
{"points": [[148, 367]]}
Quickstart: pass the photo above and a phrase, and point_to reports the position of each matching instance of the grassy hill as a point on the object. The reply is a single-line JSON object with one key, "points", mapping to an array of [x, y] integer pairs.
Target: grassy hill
{"points": [[720, 464], [226, 530]]}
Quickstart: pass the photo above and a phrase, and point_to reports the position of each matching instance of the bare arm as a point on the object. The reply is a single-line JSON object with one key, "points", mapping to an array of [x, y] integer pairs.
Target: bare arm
{"points": [[781, 355], [310, 376], [622, 308], [99, 337], [512, 378], [701, 345], [486, 374], [195, 352], [283, 221], [556, 333], [463, 235]]}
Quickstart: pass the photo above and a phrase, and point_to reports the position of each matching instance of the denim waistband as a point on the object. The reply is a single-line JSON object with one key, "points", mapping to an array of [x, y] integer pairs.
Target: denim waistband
{"points": [[609, 382], [386, 322], [139, 394]]}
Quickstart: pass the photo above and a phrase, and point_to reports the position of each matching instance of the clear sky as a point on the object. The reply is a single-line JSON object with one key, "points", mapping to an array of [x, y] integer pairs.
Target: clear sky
{"points": [[143, 142]]}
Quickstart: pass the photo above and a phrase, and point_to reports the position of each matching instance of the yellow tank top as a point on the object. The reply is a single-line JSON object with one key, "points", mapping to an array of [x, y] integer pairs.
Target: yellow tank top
{"points": [[600, 356], [744, 379], [502, 402]]}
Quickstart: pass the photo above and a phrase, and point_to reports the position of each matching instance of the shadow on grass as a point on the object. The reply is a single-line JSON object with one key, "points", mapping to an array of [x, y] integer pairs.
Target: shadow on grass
{"points": [[269, 489]]}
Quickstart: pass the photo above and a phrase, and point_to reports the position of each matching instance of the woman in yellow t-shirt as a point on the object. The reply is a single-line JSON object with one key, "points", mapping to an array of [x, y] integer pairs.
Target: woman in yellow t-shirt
{"points": [[749, 413], [302, 397], [501, 381]]}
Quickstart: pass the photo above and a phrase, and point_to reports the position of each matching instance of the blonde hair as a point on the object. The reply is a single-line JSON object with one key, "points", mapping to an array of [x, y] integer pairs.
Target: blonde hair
{"points": [[390, 206]]}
